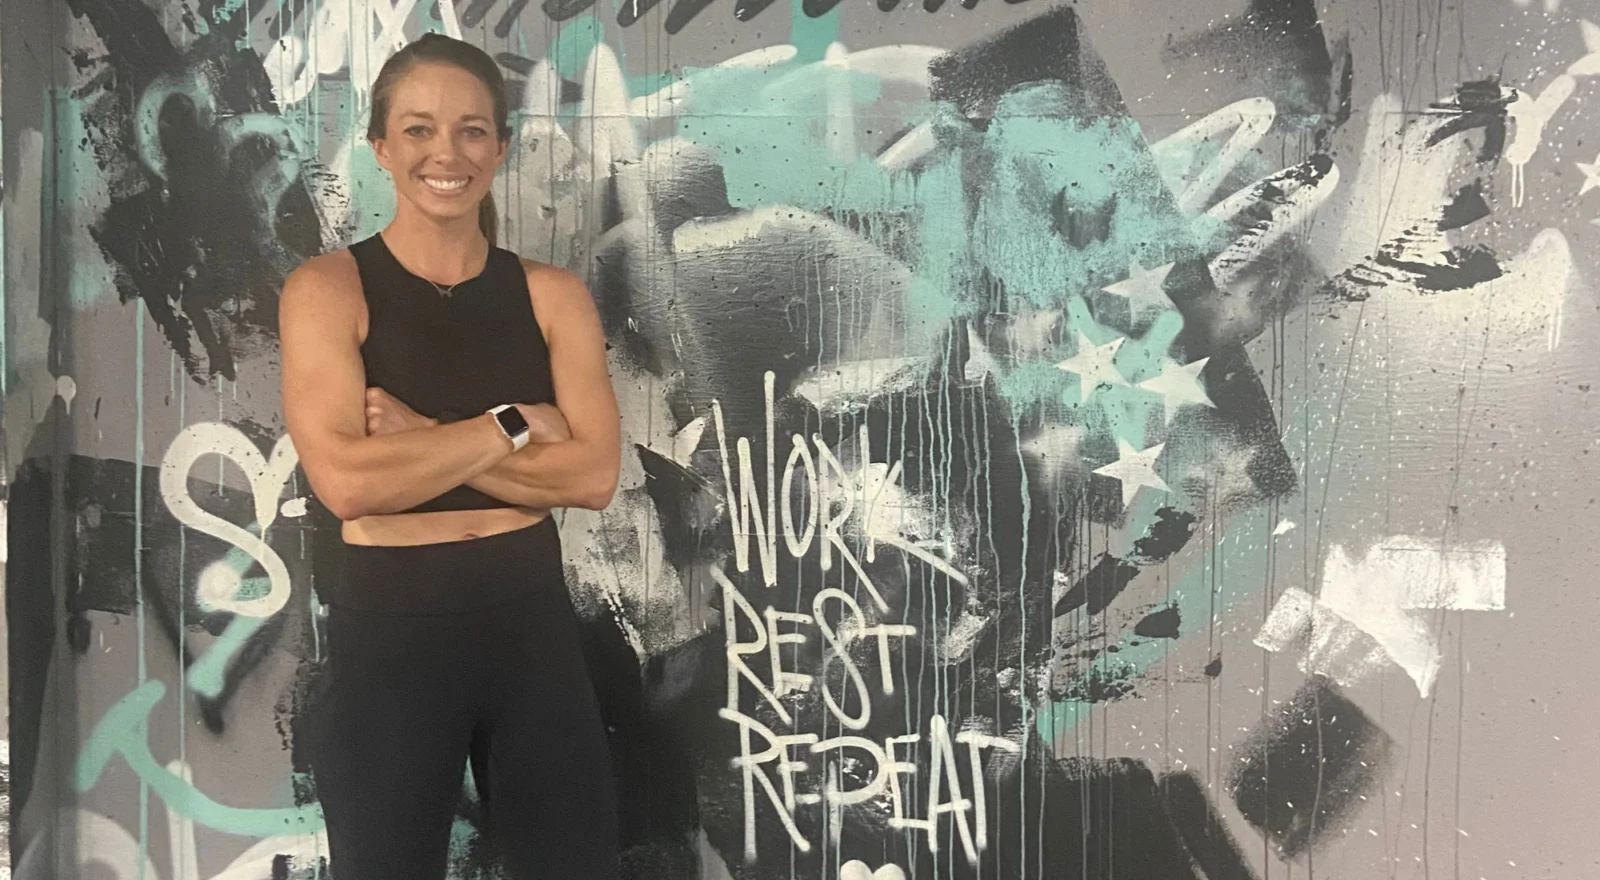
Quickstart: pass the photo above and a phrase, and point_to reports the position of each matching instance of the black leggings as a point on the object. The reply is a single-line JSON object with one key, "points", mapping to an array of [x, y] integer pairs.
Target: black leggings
{"points": [[444, 650]]}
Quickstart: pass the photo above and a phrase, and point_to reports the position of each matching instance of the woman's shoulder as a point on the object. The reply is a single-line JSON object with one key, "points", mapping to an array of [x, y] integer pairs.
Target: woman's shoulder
{"points": [[333, 275]]}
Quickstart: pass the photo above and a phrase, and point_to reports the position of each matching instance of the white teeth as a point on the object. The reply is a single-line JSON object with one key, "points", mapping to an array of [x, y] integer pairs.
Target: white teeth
{"points": [[445, 185]]}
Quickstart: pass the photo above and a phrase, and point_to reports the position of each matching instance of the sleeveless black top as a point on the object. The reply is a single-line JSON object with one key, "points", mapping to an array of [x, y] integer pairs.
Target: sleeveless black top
{"points": [[452, 357]]}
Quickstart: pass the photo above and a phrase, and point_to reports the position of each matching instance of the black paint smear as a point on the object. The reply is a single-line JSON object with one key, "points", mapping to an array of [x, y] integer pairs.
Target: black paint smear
{"points": [[1204, 832], [1307, 766], [1160, 624], [1214, 668], [199, 248], [1463, 267], [1049, 48], [1477, 104], [690, 511], [32, 533], [1466, 206], [818, 8], [683, 12], [256, 649], [1102, 819], [475, 12], [1101, 684], [561, 10], [1167, 535], [1278, 49], [1095, 590]]}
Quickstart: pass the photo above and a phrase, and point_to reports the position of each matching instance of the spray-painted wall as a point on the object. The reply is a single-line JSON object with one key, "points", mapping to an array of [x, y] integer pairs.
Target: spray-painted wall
{"points": [[1123, 439]]}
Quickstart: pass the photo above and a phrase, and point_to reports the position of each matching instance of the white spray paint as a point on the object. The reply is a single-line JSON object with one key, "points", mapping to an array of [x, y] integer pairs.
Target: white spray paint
{"points": [[1093, 365], [356, 34], [858, 870], [1376, 596], [66, 389], [267, 476], [1134, 468], [1179, 385], [1177, 155]]}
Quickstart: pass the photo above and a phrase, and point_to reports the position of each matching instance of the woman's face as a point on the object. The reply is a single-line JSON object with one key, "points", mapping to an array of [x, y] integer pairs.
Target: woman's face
{"points": [[440, 142]]}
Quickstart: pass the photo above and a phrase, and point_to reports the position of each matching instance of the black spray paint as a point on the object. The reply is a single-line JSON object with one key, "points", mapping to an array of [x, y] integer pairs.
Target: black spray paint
{"points": [[1308, 766], [207, 215]]}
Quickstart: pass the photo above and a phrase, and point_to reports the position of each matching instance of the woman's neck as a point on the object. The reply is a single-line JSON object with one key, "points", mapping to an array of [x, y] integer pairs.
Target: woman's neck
{"points": [[447, 253]]}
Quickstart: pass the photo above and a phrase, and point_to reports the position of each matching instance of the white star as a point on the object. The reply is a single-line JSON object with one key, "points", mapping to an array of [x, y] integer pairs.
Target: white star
{"points": [[1093, 365], [1591, 174], [1142, 289], [1134, 468], [1179, 384]]}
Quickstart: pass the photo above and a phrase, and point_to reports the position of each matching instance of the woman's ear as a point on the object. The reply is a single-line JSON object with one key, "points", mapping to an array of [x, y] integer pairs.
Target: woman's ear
{"points": [[380, 151]]}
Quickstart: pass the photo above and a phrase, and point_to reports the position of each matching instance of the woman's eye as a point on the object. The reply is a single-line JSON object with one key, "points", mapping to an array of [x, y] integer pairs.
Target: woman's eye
{"points": [[475, 131], [418, 131]]}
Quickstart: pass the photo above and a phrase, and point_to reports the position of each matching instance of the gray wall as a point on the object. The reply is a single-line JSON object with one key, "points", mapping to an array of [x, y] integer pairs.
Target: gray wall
{"points": [[1200, 398]]}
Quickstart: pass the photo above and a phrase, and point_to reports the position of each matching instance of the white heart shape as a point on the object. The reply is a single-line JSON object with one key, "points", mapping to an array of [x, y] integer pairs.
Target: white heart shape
{"points": [[267, 479], [858, 870]]}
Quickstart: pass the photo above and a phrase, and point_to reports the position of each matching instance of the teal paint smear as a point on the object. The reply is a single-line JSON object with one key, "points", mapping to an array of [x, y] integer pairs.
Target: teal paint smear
{"points": [[206, 676], [811, 37], [372, 195], [208, 673], [89, 284], [1041, 155], [226, 10], [760, 120], [572, 45], [124, 730], [1241, 554]]}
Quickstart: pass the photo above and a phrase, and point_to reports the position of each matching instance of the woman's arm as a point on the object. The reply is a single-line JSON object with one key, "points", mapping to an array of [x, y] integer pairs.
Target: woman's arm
{"points": [[324, 387], [581, 471]]}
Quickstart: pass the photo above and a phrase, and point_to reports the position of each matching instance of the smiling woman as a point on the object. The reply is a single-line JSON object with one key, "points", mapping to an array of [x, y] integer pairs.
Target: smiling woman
{"points": [[430, 109], [424, 371]]}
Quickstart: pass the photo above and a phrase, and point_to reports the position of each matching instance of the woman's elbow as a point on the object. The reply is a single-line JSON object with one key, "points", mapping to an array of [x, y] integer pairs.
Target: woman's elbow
{"points": [[344, 505], [342, 496], [598, 493]]}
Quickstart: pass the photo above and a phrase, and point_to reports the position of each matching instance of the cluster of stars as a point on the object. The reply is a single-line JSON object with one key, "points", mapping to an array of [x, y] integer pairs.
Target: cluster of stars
{"points": [[1177, 384]]}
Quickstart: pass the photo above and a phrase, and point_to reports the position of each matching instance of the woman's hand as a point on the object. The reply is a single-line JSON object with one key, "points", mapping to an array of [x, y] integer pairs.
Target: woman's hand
{"points": [[387, 415]]}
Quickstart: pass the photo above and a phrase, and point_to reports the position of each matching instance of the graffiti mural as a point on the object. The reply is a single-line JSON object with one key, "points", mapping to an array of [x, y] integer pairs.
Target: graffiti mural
{"points": [[1062, 444]]}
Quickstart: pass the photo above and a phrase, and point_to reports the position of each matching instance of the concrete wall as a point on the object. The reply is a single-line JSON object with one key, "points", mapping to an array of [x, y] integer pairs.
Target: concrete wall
{"points": [[1156, 436]]}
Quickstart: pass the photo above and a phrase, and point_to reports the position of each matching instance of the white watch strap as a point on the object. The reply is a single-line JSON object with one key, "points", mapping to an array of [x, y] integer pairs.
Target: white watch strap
{"points": [[517, 440]]}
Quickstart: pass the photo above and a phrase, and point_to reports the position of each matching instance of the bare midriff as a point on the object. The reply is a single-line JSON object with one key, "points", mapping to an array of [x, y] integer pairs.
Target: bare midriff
{"points": [[437, 527]]}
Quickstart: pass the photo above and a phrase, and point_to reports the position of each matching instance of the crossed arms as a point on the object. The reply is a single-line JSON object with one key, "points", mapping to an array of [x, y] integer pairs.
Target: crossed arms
{"points": [[366, 453]]}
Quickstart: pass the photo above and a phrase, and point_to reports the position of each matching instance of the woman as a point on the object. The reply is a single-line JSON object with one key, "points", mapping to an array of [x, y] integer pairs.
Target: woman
{"points": [[422, 369]]}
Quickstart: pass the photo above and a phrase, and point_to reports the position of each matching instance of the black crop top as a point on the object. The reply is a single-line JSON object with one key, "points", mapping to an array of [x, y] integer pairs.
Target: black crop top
{"points": [[452, 357]]}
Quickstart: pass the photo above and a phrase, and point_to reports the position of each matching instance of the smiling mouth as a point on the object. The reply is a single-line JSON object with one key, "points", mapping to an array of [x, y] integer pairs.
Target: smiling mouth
{"points": [[446, 185]]}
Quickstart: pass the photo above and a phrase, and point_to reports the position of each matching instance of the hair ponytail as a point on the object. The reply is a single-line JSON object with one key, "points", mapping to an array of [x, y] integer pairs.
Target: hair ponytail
{"points": [[489, 219]]}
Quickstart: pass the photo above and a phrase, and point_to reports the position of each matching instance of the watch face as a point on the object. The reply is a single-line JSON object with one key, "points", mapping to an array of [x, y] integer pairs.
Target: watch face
{"points": [[511, 421]]}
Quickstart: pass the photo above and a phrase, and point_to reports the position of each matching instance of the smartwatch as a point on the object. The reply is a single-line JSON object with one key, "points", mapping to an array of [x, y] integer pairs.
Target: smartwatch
{"points": [[512, 424]]}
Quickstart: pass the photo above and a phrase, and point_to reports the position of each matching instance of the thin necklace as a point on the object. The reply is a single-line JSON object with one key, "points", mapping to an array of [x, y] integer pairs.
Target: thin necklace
{"points": [[445, 290]]}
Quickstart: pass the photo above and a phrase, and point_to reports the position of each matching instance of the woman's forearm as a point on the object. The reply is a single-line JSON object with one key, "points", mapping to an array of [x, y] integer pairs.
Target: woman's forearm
{"points": [[566, 473], [389, 473]]}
